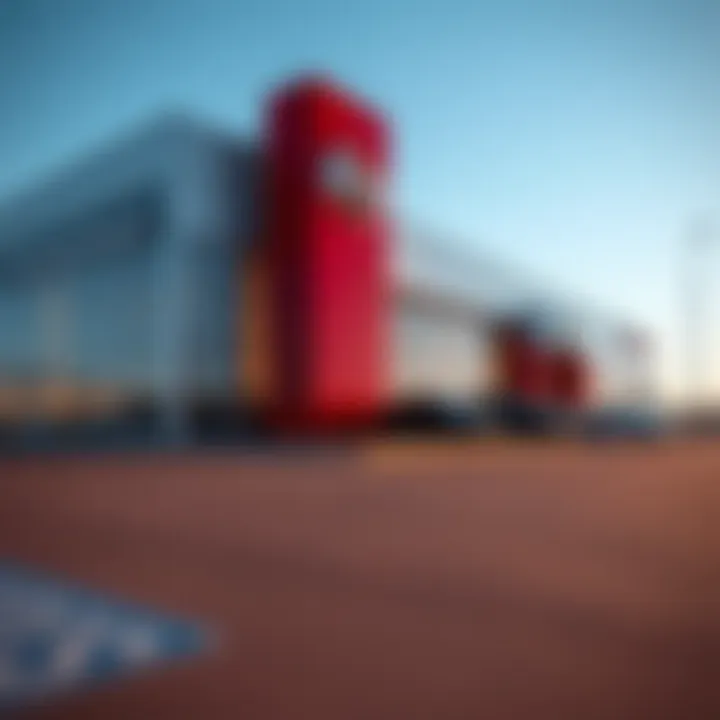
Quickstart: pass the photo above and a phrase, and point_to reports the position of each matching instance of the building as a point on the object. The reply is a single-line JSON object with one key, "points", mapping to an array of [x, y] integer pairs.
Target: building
{"points": [[184, 277]]}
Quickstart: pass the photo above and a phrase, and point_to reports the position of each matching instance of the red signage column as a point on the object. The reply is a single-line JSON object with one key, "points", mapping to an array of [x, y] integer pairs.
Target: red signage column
{"points": [[525, 367], [571, 379], [328, 160]]}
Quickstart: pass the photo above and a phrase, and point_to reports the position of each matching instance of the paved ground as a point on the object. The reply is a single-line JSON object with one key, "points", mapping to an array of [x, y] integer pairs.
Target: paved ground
{"points": [[400, 582]]}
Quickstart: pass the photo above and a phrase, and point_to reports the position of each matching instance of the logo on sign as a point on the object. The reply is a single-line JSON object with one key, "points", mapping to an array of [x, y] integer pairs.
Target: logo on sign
{"points": [[350, 181]]}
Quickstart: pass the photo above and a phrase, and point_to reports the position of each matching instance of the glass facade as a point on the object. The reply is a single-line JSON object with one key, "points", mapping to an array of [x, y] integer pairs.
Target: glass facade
{"points": [[77, 313]]}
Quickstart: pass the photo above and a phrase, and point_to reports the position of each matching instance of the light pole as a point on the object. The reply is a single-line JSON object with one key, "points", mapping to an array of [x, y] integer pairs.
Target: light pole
{"points": [[696, 296]]}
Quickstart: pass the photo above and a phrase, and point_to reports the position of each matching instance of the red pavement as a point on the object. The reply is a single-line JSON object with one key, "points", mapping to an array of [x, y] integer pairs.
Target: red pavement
{"points": [[401, 581]]}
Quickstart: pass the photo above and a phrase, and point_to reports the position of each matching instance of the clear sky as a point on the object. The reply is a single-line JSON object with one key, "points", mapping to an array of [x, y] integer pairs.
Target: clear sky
{"points": [[578, 138]]}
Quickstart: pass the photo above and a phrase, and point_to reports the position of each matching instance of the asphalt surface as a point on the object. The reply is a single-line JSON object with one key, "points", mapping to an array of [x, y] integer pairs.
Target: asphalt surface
{"points": [[399, 580]]}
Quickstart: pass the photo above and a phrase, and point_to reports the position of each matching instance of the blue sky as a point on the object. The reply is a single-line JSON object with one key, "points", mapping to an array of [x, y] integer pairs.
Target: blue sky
{"points": [[577, 138]]}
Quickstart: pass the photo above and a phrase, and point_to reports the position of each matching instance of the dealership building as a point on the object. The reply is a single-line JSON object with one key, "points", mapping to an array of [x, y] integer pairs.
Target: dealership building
{"points": [[187, 277]]}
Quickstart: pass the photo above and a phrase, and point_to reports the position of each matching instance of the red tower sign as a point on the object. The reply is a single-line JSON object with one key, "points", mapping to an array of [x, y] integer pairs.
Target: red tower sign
{"points": [[328, 158]]}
